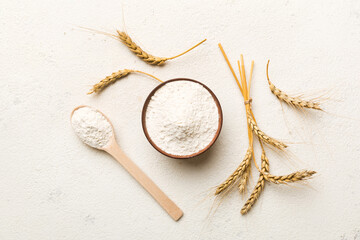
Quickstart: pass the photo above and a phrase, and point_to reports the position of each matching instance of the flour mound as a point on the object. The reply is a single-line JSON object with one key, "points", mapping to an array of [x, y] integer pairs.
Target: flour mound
{"points": [[91, 127], [182, 118]]}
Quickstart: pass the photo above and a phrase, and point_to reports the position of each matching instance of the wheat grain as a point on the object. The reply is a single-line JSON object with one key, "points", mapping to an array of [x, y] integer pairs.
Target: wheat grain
{"points": [[150, 59], [292, 101], [263, 136], [293, 177], [237, 173], [114, 77], [259, 186]]}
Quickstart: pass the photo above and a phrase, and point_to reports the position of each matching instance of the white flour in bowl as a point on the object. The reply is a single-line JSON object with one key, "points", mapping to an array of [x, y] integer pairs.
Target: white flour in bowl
{"points": [[91, 127], [182, 118]]}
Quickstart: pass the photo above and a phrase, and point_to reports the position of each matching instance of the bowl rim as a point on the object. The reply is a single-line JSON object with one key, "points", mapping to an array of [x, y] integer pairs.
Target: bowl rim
{"points": [[143, 119]]}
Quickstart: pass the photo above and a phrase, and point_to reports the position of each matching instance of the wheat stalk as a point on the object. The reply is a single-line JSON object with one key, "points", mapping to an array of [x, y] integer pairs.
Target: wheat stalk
{"points": [[150, 59], [293, 177], [263, 136], [259, 185], [292, 101], [237, 173], [114, 77]]}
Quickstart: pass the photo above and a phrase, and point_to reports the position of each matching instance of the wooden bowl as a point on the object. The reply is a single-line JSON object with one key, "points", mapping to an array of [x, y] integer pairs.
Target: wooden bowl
{"points": [[143, 120]]}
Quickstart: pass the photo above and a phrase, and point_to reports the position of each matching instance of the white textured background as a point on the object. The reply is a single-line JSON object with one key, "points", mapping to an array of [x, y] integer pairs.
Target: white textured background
{"points": [[52, 186]]}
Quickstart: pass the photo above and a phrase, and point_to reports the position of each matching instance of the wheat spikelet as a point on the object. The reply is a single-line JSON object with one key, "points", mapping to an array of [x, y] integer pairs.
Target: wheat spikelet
{"points": [[293, 177], [264, 163], [150, 59], [114, 77], [259, 185], [292, 101], [263, 136], [237, 173]]}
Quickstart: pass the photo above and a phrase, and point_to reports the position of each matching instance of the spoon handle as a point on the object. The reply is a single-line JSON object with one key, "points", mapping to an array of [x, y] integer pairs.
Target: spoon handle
{"points": [[165, 202]]}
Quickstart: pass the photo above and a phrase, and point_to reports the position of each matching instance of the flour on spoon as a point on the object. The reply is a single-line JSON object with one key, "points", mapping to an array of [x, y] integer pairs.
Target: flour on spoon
{"points": [[91, 127]]}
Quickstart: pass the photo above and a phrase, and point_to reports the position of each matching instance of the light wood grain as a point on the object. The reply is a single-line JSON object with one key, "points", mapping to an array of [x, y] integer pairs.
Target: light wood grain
{"points": [[164, 201]]}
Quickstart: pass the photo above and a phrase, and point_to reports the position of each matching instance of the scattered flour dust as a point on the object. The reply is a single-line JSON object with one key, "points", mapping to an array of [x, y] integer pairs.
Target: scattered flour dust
{"points": [[182, 118], [91, 127]]}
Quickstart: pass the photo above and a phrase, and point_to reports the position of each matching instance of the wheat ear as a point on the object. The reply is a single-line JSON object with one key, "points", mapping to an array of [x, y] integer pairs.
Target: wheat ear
{"points": [[293, 177], [292, 101], [263, 136], [237, 173], [259, 185], [150, 59], [244, 180], [114, 77]]}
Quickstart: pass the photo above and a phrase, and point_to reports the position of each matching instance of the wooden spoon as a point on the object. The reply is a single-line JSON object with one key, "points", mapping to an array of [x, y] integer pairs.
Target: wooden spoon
{"points": [[114, 150]]}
